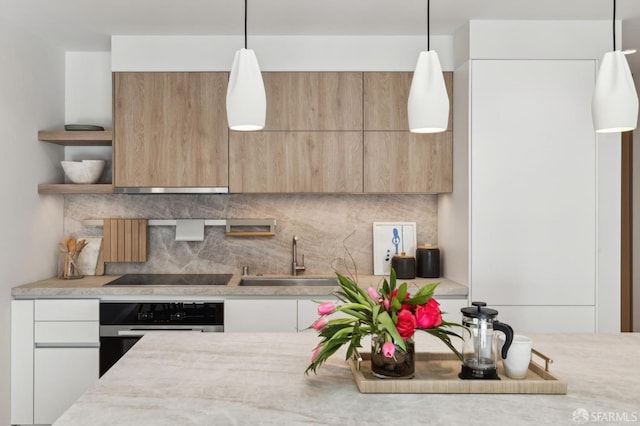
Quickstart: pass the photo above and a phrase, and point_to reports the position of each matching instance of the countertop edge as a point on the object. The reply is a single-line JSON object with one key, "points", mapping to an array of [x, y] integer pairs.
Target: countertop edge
{"points": [[94, 286]]}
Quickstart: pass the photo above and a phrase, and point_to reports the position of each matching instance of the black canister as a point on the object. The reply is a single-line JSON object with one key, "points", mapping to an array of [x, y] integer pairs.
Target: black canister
{"points": [[428, 261], [405, 266]]}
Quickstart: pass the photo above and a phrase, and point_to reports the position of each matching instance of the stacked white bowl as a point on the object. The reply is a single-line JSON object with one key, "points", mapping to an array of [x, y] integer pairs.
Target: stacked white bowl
{"points": [[85, 171]]}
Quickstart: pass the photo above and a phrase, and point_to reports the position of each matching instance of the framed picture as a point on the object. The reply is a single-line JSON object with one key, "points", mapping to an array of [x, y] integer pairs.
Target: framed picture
{"points": [[389, 239]]}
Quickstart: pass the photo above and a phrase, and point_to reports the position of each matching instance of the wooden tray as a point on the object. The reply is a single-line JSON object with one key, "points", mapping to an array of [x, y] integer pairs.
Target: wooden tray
{"points": [[438, 373]]}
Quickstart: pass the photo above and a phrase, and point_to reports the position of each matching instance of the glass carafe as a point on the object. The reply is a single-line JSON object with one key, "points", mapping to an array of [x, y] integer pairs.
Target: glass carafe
{"points": [[479, 347]]}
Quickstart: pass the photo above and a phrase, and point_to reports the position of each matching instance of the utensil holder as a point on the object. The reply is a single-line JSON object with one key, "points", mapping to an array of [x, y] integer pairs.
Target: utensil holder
{"points": [[68, 268]]}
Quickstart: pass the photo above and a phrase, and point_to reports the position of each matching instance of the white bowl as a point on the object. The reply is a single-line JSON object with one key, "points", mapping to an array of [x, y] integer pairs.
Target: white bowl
{"points": [[85, 171]]}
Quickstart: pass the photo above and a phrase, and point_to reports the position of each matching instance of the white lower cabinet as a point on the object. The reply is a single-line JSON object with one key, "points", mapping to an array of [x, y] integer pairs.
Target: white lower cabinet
{"points": [[61, 376], [308, 312], [271, 315], [260, 315], [451, 309], [55, 356], [545, 319], [291, 315], [21, 362]]}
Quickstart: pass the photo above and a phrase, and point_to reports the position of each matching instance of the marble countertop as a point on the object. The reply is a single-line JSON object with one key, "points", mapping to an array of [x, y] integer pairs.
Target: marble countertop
{"points": [[94, 286], [251, 378]]}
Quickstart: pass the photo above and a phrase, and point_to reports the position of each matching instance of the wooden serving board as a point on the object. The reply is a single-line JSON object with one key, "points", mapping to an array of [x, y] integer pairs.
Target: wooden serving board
{"points": [[438, 373]]}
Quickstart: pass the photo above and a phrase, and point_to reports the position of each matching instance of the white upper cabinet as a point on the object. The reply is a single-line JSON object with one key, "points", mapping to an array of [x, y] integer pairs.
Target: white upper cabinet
{"points": [[533, 180]]}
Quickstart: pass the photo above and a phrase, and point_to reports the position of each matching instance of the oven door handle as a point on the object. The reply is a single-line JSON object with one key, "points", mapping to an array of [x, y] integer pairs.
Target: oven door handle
{"points": [[143, 331]]}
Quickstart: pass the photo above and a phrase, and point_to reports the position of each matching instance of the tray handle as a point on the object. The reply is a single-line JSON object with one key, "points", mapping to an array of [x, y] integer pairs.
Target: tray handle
{"points": [[545, 358], [357, 358]]}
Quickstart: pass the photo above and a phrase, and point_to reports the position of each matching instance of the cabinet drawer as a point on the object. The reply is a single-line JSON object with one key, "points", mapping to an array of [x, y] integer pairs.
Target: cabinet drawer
{"points": [[451, 309], [308, 312], [548, 319], [74, 332], [260, 315], [67, 310]]}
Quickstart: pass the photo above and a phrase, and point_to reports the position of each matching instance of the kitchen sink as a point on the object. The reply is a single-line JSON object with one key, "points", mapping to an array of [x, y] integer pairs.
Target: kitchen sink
{"points": [[287, 281]]}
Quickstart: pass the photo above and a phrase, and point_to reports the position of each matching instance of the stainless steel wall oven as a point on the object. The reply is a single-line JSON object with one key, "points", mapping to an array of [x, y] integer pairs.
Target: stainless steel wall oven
{"points": [[122, 324]]}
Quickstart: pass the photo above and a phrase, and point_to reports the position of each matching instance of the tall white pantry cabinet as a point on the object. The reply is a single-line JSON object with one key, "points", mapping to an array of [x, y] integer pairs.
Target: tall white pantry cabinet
{"points": [[526, 171]]}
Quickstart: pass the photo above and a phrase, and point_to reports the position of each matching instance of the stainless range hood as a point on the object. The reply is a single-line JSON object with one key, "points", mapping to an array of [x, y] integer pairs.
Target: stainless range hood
{"points": [[171, 190]]}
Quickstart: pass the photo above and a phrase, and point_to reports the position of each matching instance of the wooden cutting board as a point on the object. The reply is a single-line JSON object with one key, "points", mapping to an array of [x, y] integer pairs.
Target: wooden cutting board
{"points": [[89, 260], [125, 240]]}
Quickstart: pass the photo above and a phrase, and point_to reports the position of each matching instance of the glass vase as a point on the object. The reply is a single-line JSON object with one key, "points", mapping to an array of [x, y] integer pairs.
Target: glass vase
{"points": [[402, 365]]}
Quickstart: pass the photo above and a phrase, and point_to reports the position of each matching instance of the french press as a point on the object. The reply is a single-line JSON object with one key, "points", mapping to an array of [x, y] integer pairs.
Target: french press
{"points": [[479, 346]]}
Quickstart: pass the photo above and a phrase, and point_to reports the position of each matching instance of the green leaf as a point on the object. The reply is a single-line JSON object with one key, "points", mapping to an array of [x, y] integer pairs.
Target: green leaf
{"points": [[389, 326], [385, 287], [350, 290], [423, 295], [396, 304], [402, 291], [356, 314], [376, 312], [392, 280], [341, 321], [444, 336]]}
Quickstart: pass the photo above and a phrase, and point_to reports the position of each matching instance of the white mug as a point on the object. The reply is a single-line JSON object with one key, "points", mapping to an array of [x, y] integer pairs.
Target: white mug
{"points": [[516, 364]]}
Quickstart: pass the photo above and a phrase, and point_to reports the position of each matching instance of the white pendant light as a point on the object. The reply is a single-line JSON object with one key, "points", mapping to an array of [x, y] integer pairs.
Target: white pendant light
{"points": [[246, 97], [615, 101], [428, 105]]}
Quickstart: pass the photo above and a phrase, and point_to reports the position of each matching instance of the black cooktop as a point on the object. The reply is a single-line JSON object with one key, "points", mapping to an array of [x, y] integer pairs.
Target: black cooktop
{"points": [[172, 279]]}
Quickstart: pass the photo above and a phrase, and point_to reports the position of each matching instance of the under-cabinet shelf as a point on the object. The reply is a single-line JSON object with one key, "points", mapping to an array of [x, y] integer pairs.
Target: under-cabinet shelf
{"points": [[77, 138], [74, 188]]}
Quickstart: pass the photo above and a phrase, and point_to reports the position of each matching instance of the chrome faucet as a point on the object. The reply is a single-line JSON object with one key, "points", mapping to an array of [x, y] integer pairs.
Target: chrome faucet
{"points": [[295, 268]]}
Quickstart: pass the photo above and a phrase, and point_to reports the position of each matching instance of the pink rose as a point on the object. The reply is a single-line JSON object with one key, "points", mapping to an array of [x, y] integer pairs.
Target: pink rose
{"points": [[326, 308], [319, 324], [406, 324], [408, 306], [373, 293], [388, 349], [429, 315]]}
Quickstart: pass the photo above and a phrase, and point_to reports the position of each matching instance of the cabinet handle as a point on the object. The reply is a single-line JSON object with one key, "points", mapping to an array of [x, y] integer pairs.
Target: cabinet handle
{"points": [[68, 345]]}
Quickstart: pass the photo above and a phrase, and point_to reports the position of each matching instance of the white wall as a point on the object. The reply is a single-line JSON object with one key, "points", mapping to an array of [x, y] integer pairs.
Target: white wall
{"points": [[276, 53], [88, 100], [31, 98], [88, 88], [453, 209]]}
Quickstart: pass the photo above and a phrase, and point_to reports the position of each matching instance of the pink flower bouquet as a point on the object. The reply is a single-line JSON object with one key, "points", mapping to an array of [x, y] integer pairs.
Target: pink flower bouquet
{"points": [[392, 314]]}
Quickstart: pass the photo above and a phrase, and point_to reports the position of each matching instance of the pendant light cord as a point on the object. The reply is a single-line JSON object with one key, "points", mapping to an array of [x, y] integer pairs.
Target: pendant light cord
{"points": [[429, 26], [614, 25], [245, 24]]}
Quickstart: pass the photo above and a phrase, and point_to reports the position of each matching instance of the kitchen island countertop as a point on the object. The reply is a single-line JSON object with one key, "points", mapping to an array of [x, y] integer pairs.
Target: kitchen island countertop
{"points": [[94, 287], [249, 379]]}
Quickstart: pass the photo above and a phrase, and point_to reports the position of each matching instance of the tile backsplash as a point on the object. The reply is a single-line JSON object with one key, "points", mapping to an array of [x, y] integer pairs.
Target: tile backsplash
{"points": [[327, 226]]}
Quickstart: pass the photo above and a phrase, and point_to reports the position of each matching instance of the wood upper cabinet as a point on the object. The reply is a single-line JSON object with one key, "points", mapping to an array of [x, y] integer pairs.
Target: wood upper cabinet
{"points": [[407, 162], [313, 100], [396, 160], [170, 129], [295, 162], [385, 100]]}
